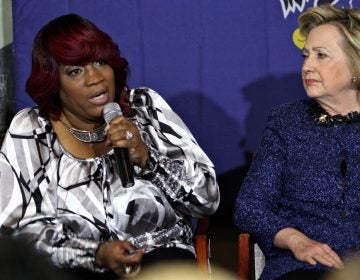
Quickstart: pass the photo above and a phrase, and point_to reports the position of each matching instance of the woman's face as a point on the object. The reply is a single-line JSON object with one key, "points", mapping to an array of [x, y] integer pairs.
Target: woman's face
{"points": [[326, 71], [84, 90]]}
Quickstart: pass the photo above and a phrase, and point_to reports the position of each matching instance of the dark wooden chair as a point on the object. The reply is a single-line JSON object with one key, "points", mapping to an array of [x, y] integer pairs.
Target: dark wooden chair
{"points": [[251, 259], [245, 257], [202, 246]]}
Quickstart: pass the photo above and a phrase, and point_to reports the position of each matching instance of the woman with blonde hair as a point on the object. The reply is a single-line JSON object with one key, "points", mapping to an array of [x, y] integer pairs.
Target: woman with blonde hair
{"points": [[301, 197]]}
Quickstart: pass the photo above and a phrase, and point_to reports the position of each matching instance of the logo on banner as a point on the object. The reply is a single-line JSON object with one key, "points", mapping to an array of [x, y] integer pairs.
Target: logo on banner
{"points": [[291, 6]]}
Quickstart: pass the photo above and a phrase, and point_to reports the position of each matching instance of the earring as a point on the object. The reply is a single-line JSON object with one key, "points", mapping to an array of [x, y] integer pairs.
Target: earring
{"points": [[353, 79]]}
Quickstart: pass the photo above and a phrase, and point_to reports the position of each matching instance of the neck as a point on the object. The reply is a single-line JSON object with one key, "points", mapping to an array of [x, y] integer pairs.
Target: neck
{"points": [[95, 134], [340, 107], [74, 121]]}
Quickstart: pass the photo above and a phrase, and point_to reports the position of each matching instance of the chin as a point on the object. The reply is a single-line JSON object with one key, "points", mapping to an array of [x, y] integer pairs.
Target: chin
{"points": [[312, 93]]}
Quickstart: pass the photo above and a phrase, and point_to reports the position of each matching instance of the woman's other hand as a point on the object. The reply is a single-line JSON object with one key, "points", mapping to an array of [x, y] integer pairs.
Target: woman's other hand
{"points": [[124, 134], [306, 249], [115, 255]]}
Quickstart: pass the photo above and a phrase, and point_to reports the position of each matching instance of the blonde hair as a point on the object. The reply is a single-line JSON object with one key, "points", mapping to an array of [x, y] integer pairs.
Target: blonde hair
{"points": [[347, 20]]}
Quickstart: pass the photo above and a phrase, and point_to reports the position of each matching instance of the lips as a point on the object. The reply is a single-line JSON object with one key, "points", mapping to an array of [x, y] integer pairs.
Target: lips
{"points": [[311, 81], [99, 98]]}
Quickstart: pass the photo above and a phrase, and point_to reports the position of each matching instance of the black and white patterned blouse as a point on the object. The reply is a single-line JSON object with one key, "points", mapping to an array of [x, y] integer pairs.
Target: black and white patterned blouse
{"points": [[66, 206]]}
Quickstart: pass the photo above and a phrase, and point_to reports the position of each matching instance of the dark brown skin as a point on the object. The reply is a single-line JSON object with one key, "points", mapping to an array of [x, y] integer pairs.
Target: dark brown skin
{"points": [[115, 254], [116, 135]]}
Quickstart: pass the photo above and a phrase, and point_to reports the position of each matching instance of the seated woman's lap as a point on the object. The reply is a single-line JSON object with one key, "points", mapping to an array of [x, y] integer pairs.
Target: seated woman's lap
{"points": [[301, 274], [160, 255], [156, 256]]}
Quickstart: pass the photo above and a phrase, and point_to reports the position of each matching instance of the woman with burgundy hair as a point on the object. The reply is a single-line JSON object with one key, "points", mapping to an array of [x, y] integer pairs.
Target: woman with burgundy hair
{"points": [[61, 187]]}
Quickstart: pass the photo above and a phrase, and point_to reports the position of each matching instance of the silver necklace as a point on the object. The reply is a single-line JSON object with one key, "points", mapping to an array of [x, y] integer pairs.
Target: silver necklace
{"points": [[96, 135]]}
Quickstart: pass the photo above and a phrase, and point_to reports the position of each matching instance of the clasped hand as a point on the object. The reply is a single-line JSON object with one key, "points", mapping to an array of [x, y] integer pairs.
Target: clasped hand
{"points": [[115, 256], [306, 249]]}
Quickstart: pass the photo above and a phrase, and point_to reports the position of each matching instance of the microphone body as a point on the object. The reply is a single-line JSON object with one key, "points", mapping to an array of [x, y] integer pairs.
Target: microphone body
{"points": [[123, 164]]}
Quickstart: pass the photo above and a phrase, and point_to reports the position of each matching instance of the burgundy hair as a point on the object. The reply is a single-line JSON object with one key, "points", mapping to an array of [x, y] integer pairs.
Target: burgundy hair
{"points": [[71, 40]]}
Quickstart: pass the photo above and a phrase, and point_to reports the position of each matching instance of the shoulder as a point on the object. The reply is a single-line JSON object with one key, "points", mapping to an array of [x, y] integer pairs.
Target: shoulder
{"points": [[143, 90], [147, 97], [26, 121], [290, 112], [291, 108]]}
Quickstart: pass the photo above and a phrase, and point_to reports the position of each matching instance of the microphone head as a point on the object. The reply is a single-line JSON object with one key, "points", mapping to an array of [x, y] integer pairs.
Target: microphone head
{"points": [[111, 110]]}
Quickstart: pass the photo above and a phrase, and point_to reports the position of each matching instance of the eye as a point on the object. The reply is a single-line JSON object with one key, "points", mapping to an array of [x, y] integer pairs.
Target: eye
{"points": [[100, 62], [321, 55], [304, 55], [73, 70]]}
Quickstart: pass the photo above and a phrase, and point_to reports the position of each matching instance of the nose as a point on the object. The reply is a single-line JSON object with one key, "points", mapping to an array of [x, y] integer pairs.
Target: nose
{"points": [[307, 65], [93, 75]]}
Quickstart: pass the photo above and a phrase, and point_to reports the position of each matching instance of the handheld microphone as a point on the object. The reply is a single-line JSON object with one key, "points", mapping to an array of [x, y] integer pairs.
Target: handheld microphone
{"points": [[123, 164]]}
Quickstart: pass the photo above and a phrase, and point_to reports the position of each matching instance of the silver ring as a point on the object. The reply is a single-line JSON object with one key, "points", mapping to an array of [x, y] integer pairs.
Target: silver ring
{"points": [[129, 135], [127, 268]]}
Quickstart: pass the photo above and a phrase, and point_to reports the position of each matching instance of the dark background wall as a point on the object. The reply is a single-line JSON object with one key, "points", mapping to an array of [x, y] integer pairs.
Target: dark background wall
{"points": [[220, 64], [6, 73]]}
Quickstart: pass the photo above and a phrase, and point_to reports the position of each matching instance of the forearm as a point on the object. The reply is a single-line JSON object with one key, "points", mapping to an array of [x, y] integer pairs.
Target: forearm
{"points": [[62, 247], [76, 254], [190, 187], [288, 238], [252, 216]]}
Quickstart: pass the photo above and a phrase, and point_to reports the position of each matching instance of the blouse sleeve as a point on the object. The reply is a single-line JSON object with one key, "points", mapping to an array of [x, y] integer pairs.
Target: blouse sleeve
{"points": [[256, 204], [177, 165]]}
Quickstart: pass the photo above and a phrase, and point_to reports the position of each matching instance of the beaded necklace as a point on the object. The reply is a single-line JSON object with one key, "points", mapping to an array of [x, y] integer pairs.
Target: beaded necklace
{"points": [[321, 117]]}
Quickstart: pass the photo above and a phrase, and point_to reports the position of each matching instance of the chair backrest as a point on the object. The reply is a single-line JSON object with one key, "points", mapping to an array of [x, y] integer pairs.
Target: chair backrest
{"points": [[251, 259]]}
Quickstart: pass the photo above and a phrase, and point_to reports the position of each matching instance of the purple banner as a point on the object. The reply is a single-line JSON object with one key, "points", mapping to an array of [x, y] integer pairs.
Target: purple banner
{"points": [[220, 64]]}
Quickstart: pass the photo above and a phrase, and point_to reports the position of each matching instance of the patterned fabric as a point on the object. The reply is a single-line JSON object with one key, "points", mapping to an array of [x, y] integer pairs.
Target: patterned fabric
{"points": [[304, 176], [66, 206]]}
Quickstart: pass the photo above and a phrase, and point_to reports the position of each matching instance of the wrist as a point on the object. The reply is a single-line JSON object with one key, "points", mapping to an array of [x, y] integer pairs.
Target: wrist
{"points": [[149, 166], [145, 161], [98, 256], [287, 238]]}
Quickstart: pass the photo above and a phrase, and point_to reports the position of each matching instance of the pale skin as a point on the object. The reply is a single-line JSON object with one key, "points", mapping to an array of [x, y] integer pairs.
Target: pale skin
{"points": [[327, 77], [327, 71], [84, 91]]}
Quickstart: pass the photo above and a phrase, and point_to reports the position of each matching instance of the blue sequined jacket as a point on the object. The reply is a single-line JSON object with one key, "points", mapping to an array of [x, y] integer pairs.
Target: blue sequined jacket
{"points": [[305, 175]]}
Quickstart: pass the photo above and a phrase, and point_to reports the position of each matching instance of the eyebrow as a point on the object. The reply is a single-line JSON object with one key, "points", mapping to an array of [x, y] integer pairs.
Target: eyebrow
{"points": [[314, 48]]}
